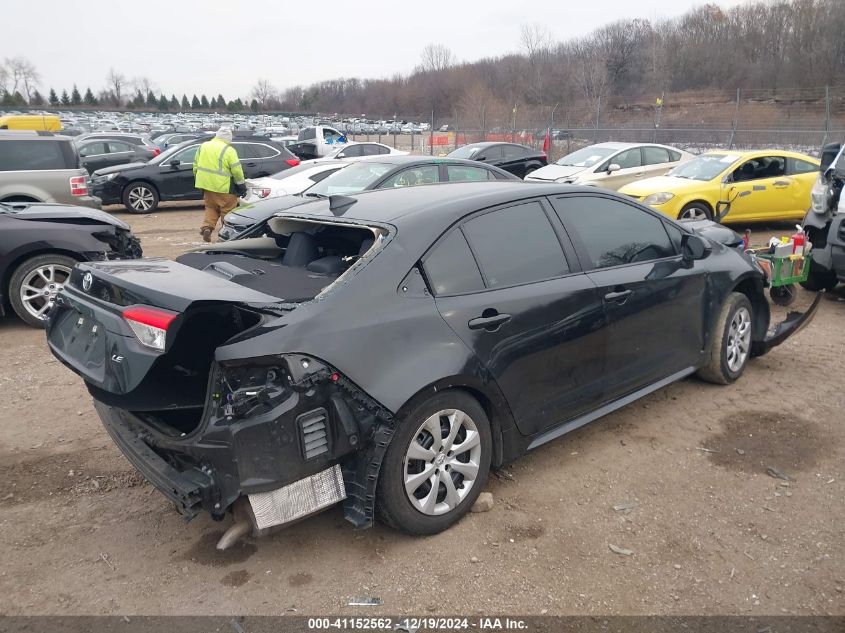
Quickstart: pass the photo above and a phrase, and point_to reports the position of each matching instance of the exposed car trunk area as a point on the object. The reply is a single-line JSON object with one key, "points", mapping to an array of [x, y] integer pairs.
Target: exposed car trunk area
{"points": [[198, 302]]}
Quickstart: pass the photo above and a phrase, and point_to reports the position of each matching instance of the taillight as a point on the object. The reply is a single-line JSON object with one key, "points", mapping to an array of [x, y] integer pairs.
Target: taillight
{"points": [[156, 151], [293, 162], [261, 193], [79, 186], [149, 324]]}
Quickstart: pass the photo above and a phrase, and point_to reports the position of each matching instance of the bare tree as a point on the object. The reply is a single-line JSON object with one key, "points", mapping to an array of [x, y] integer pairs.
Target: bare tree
{"points": [[4, 80], [263, 91], [22, 75], [537, 42], [436, 58], [144, 84], [116, 80]]}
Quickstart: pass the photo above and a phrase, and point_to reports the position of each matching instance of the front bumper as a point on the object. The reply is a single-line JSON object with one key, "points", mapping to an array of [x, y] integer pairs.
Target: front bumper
{"points": [[792, 324]]}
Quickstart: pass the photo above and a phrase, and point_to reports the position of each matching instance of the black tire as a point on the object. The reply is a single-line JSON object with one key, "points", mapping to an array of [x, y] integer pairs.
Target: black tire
{"points": [[140, 197], [696, 208], [719, 369], [23, 273], [819, 280], [783, 295], [393, 503]]}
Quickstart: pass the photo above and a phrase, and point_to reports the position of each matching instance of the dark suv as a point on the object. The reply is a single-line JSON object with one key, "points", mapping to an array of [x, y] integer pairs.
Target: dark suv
{"points": [[42, 167], [169, 176]]}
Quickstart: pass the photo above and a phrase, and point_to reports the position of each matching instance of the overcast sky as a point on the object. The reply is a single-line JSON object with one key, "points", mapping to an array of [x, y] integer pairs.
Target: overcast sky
{"points": [[211, 47]]}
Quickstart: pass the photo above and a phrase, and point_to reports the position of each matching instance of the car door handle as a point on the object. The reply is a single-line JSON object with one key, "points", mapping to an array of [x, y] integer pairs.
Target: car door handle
{"points": [[618, 296], [781, 183], [489, 323]]}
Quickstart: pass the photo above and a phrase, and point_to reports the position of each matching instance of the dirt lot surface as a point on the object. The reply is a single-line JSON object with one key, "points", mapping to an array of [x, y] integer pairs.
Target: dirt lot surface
{"points": [[679, 479]]}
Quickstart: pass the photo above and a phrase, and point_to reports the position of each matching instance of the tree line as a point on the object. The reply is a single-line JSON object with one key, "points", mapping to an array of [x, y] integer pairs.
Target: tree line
{"points": [[770, 44]]}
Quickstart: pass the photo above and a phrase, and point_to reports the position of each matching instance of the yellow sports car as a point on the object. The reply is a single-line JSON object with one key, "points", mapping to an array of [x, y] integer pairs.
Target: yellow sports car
{"points": [[780, 182]]}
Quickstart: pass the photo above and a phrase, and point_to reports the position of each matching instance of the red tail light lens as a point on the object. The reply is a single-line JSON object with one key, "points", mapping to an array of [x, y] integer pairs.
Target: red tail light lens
{"points": [[293, 162], [78, 186], [149, 324], [156, 151]]}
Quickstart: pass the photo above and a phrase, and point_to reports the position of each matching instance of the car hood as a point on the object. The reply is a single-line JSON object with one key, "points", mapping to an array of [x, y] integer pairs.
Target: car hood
{"points": [[714, 231], [63, 212], [553, 172], [252, 213], [117, 168], [657, 184]]}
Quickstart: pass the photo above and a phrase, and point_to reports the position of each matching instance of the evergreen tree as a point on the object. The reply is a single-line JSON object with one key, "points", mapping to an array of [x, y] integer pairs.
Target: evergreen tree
{"points": [[213, 103], [163, 103], [8, 99], [204, 102], [54, 98], [152, 102], [19, 99], [174, 103], [221, 102], [37, 99], [65, 100], [75, 97], [138, 100], [254, 106], [89, 98], [185, 103], [195, 103]]}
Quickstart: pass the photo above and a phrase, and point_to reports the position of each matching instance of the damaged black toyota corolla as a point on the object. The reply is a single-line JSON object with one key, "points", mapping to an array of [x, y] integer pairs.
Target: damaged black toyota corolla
{"points": [[386, 349]]}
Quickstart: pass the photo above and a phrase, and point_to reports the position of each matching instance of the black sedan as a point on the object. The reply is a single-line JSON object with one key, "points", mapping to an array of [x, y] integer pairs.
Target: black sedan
{"points": [[516, 159], [384, 172], [98, 153], [386, 349], [169, 176], [41, 243]]}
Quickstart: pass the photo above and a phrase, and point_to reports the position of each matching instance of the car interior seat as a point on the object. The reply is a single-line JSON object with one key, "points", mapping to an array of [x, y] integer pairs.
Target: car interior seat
{"points": [[301, 250]]}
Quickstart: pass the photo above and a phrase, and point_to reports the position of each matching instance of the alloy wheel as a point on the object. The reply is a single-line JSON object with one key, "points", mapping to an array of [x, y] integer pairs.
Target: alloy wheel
{"points": [[441, 462], [40, 287], [739, 339], [693, 213], [141, 198]]}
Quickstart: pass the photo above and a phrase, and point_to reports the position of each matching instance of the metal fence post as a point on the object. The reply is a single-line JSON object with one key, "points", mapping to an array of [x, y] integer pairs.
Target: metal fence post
{"points": [[598, 118], [431, 136], [658, 111], [735, 122], [826, 114]]}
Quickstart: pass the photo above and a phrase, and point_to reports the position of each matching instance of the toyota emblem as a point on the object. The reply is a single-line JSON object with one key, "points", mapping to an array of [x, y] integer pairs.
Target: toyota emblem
{"points": [[87, 281]]}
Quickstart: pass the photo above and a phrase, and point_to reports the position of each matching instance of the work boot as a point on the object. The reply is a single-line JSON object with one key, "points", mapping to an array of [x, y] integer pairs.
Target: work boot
{"points": [[206, 233]]}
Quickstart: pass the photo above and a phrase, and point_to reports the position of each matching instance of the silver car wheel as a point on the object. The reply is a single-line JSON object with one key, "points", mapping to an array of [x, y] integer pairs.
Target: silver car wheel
{"points": [[694, 213], [40, 287], [442, 462], [739, 339], [141, 198]]}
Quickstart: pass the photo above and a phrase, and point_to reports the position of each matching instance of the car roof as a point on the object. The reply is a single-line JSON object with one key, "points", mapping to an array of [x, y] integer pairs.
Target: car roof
{"points": [[434, 206], [752, 153]]}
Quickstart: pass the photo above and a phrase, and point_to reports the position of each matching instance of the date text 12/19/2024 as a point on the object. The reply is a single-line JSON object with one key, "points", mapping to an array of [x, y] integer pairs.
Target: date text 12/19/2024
{"points": [[412, 625]]}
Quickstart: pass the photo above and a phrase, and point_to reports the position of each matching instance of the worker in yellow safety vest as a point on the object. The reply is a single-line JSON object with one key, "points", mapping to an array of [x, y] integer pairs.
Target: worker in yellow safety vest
{"points": [[218, 173]]}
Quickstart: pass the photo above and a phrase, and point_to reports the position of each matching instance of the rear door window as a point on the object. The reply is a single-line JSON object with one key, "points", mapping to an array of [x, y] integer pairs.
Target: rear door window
{"points": [[352, 151], [798, 166], [655, 155], [116, 147], [466, 173], [612, 233], [422, 175], [512, 152], [515, 245], [93, 149], [450, 267]]}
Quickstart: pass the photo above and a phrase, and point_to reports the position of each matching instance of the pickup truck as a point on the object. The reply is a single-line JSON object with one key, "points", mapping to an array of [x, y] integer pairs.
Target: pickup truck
{"points": [[316, 141]]}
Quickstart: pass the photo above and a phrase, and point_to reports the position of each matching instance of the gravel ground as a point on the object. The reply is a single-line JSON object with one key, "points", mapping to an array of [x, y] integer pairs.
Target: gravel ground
{"points": [[678, 479]]}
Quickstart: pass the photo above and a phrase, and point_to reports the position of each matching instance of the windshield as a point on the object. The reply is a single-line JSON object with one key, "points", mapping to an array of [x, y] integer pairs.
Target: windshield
{"points": [[5, 208], [467, 151], [294, 171], [586, 157], [705, 167], [353, 179]]}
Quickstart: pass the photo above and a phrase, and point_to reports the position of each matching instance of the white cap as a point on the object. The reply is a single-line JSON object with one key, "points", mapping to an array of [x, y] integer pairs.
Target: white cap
{"points": [[225, 133]]}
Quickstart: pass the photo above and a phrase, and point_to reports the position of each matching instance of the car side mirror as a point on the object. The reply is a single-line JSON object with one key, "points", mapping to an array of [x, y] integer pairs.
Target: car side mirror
{"points": [[694, 247], [613, 167], [175, 162]]}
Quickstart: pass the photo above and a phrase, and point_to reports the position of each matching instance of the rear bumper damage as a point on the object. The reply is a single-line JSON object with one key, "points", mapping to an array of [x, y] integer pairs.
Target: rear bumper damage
{"points": [[281, 439]]}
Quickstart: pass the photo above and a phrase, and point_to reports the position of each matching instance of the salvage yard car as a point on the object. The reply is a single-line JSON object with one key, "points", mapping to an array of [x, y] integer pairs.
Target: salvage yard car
{"points": [[611, 165], [386, 349], [41, 243], [519, 160], [169, 176], [780, 180]]}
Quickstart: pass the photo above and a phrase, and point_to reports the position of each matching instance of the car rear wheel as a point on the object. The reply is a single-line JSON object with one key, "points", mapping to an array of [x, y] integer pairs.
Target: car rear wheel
{"points": [[140, 197], [34, 285], [696, 211], [820, 280], [730, 345], [436, 464]]}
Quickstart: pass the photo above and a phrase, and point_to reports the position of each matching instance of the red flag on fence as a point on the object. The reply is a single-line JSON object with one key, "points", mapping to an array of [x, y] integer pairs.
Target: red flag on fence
{"points": [[547, 142]]}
